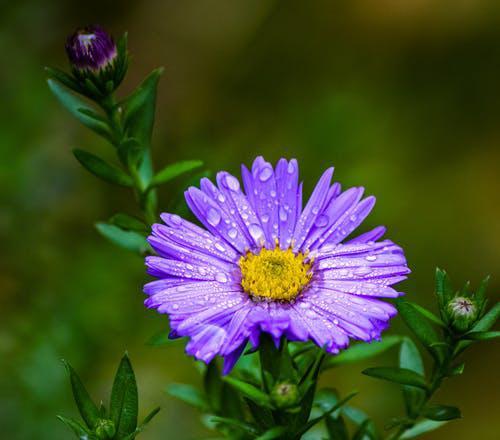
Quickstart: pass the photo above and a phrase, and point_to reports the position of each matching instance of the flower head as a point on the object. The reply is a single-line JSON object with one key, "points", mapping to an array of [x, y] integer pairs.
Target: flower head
{"points": [[91, 49], [463, 312], [265, 263]]}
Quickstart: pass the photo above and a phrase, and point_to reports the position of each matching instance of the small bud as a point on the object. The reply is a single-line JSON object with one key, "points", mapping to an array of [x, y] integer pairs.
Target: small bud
{"points": [[94, 56], [462, 313], [105, 429], [285, 395]]}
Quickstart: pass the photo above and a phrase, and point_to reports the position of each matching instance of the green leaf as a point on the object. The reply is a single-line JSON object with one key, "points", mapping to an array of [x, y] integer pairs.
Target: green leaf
{"points": [[262, 416], [362, 430], [480, 294], [250, 391], [481, 336], [402, 376], [246, 427], [128, 222], [420, 428], [362, 351], [124, 399], [336, 428], [188, 394], [79, 109], [81, 431], [65, 79], [102, 169], [139, 110], [429, 315], [488, 320], [409, 358], [441, 412], [420, 327], [316, 420], [358, 417], [444, 289], [130, 240], [213, 386], [143, 425], [273, 433], [88, 409], [175, 170]]}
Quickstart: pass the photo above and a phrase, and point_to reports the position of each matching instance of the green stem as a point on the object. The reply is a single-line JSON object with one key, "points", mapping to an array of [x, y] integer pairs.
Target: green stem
{"points": [[145, 196]]}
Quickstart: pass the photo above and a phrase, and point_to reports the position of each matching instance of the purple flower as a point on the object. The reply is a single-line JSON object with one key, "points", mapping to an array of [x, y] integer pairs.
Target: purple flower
{"points": [[266, 264], [91, 49]]}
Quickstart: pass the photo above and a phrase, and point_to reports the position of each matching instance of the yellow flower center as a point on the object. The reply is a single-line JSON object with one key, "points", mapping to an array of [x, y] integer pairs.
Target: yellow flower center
{"points": [[275, 274]]}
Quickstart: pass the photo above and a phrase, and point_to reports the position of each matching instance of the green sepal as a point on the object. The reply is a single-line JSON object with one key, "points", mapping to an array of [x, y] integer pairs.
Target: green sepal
{"points": [[262, 416], [78, 108], [124, 405], [102, 169], [410, 358], [441, 412], [80, 431], [421, 328], [88, 409], [130, 240], [175, 170], [402, 376], [362, 351], [65, 79], [188, 394]]}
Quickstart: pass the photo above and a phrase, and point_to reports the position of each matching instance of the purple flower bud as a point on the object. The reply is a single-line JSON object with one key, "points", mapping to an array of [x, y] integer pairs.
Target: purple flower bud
{"points": [[91, 49]]}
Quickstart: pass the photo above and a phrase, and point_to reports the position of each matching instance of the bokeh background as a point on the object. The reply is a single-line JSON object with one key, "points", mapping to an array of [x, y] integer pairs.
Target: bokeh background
{"points": [[401, 96]]}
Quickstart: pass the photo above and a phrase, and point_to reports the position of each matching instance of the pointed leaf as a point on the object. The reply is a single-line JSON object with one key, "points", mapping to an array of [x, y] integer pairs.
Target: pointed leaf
{"points": [[143, 425], [130, 240], [421, 428], [75, 105], [246, 427], [175, 170], [420, 327], [213, 386], [428, 314], [336, 428], [362, 351], [88, 409], [488, 320], [273, 433], [409, 358], [358, 417], [262, 416], [188, 394], [441, 412], [128, 222], [481, 336], [124, 404], [249, 390], [398, 375], [102, 169], [81, 431]]}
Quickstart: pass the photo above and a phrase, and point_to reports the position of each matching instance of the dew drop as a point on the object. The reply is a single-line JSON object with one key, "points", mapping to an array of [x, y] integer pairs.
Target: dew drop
{"points": [[265, 218], [219, 247], [291, 168], [232, 183], [265, 174], [283, 215], [232, 233], [175, 219], [315, 209], [256, 232], [175, 306], [321, 221], [221, 277], [370, 257], [221, 198], [213, 217]]}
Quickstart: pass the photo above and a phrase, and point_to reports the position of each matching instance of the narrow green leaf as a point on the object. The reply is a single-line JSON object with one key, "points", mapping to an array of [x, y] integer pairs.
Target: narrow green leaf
{"points": [[81, 431], [213, 386], [362, 430], [420, 428], [128, 222], [444, 289], [488, 320], [262, 416], [409, 358], [481, 336], [65, 79], [102, 169], [337, 428], [188, 394], [246, 427], [362, 351], [441, 412], [429, 315], [175, 170], [402, 376], [480, 294], [143, 425], [316, 420], [420, 327], [88, 409], [130, 240], [248, 390], [124, 404], [273, 433], [75, 105], [358, 417]]}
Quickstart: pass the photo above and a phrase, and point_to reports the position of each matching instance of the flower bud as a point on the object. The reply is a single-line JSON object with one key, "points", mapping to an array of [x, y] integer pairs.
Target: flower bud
{"points": [[285, 394], [105, 429], [462, 313], [94, 56]]}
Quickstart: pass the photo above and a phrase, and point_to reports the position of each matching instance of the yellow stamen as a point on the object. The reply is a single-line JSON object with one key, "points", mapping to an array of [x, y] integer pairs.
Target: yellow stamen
{"points": [[275, 274]]}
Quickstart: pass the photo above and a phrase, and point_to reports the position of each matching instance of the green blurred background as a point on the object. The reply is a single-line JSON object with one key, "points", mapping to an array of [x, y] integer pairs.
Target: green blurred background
{"points": [[402, 97]]}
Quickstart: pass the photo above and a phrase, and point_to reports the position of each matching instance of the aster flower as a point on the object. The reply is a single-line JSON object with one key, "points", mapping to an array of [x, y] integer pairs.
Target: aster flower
{"points": [[266, 264]]}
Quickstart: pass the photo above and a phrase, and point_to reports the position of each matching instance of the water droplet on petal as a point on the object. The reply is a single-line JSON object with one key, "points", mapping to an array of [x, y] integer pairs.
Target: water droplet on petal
{"points": [[371, 257], [265, 174], [219, 247], [315, 209], [232, 233], [256, 232], [232, 183], [221, 198], [265, 218], [291, 168], [283, 215], [221, 277], [213, 217], [175, 219], [321, 221], [362, 271], [175, 306]]}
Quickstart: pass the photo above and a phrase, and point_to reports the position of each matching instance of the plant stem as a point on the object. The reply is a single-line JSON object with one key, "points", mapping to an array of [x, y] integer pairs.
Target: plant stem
{"points": [[145, 196]]}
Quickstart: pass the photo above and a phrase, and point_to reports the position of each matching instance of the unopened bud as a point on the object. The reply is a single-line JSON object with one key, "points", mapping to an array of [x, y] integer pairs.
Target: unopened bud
{"points": [[285, 394], [462, 313], [105, 429]]}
